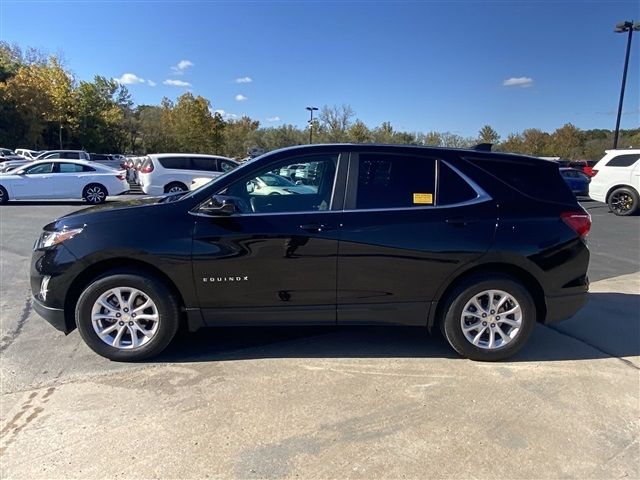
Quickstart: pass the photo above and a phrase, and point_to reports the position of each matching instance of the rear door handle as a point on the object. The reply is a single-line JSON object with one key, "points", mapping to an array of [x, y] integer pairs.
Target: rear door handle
{"points": [[316, 227], [462, 221]]}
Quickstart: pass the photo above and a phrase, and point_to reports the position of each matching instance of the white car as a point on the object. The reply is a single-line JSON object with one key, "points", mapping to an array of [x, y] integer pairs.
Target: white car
{"points": [[66, 154], [26, 153], [162, 173], [616, 181], [54, 179]]}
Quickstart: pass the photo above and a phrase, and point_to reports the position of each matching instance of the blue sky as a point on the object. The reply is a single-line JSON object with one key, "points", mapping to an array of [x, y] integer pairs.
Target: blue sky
{"points": [[421, 65]]}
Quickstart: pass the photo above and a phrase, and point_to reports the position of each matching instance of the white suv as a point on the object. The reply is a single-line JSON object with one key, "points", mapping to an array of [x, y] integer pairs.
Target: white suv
{"points": [[617, 180], [173, 172]]}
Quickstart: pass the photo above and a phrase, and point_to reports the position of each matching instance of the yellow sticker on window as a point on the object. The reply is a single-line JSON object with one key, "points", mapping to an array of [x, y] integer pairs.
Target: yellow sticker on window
{"points": [[423, 198]]}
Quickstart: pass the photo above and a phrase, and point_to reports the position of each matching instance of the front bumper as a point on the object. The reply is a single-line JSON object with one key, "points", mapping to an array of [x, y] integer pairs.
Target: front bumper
{"points": [[55, 316]]}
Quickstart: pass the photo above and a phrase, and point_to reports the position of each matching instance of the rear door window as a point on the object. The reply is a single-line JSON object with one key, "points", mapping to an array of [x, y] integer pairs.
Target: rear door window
{"points": [[395, 181], [70, 168], [178, 163]]}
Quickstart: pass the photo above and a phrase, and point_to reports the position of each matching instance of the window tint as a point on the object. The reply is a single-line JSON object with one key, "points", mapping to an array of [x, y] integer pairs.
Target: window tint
{"points": [[308, 191], [226, 166], [73, 168], [535, 179], [52, 155], [70, 155], [98, 156], [182, 163], [205, 164], [41, 168], [623, 160], [392, 181], [452, 188]]}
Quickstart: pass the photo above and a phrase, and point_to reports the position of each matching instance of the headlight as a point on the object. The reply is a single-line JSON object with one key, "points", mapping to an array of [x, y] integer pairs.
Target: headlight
{"points": [[49, 239]]}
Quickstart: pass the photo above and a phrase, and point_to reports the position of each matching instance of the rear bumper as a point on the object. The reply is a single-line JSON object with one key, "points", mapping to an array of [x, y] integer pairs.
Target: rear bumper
{"points": [[55, 316], [564, 306]]}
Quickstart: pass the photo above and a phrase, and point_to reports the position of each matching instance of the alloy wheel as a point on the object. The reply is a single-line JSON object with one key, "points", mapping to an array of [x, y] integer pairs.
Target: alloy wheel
{"points": [[621, 202], [491, 319], [125, 318], [95, 194]]}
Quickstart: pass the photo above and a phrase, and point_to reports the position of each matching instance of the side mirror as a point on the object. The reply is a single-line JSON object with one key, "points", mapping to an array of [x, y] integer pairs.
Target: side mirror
{"points": [[219, 207]]}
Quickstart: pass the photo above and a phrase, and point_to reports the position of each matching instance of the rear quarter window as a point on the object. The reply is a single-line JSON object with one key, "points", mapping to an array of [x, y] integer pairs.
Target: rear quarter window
{"points": [[204, 164], [452, 188], [623, 160], [536, 179]]}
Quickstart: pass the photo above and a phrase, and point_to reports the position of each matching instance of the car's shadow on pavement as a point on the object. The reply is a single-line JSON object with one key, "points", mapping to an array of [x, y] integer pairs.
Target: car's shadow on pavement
{"points": [[609, 325]]}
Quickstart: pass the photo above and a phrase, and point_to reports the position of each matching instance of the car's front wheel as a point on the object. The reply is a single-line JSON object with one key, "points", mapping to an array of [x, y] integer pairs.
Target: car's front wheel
{"points": [[127, 317], [4, 196], [623, 201], [488, 318]]}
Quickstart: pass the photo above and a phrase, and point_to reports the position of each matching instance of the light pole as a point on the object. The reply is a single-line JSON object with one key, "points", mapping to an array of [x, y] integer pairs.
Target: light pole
{"points": [[621, 28], [311, 110]]}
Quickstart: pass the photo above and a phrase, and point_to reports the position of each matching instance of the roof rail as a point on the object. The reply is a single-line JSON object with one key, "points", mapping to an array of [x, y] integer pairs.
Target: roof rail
{"points": [[483, 147]]}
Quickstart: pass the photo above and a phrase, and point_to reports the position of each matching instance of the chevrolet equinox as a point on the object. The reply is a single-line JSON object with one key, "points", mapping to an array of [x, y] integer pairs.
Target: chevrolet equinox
{"points": [[479, 244]]}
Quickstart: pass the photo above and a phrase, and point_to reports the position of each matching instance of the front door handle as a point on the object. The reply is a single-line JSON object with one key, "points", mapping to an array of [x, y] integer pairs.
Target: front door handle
{"points": [[317, 227]]}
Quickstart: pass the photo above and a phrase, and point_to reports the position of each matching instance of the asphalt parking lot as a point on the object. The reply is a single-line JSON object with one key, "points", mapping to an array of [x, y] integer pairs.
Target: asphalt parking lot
{"points": [[325, 402]]}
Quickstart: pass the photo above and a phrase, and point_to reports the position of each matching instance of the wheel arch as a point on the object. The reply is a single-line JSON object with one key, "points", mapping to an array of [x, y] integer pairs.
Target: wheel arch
{"points": [[615, 187], [517, 273], [115, 265], [175, 182]]}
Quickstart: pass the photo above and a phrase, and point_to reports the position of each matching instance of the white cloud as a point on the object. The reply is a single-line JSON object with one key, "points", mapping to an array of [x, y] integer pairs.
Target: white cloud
{"points": [[176, 83], [129, 79], [273, 119], [226, 115], [181, 67], [151, 83], [523, 82], [240, 98], [244, 80]]}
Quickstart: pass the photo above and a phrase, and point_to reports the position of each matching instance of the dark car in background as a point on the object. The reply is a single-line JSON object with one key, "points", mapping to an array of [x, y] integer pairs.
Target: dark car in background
{"points": [[479, 244], [577, 181]]}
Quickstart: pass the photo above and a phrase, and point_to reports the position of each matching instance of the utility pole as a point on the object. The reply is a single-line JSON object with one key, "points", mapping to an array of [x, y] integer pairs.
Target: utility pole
{"points": [[621, 28], [311, 110]]}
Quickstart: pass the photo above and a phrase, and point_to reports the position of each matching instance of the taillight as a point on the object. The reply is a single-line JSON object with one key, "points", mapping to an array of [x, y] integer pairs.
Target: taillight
{"points": [[593, 172], [579, 221], [121, 177], [148, 168]]}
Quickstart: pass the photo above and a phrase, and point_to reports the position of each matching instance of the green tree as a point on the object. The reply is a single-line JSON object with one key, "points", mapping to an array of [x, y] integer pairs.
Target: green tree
{"points": [[488, 135], [336, 120], [359, 133], [567, 142]]}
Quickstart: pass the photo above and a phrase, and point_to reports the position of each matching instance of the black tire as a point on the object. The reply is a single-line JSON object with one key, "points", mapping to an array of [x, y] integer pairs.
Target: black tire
{"points": [[167, 308], [4, 196], [95, 194], [175, 187], [623, 201], [451, 321]]}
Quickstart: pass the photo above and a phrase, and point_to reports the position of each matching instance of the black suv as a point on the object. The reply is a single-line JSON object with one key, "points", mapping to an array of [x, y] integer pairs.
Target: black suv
{"points": [[480, 244]]}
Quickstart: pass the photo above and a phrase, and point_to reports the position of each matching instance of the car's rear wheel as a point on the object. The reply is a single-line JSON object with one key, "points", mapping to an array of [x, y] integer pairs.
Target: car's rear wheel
{"points": [[127, 317], [4, 196], [95, 193], [488, 318], [623, 201], [175, 187]]}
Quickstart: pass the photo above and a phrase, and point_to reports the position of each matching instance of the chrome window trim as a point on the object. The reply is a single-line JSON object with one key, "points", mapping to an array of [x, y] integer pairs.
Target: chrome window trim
{"points": [[482, 196]]}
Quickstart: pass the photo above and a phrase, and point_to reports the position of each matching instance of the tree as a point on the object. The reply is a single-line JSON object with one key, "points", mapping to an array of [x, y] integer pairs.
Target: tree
{"points": [[513, 144], [359, 133], [536, 142], [237, 136], [488, 135], [190, 125], [567, 141], [336, 120]]}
